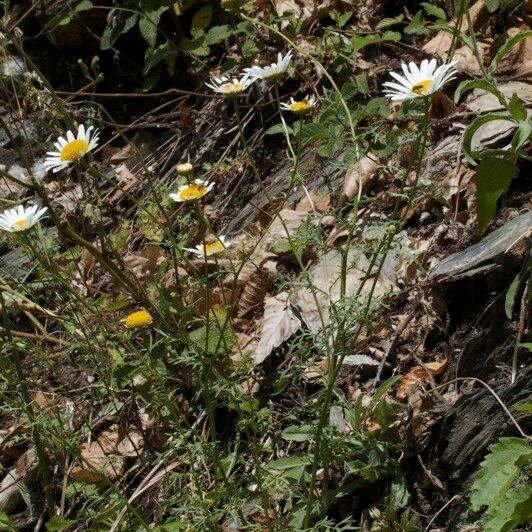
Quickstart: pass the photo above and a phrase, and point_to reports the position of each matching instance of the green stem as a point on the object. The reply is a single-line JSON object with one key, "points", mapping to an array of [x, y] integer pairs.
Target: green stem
{"points": [[24, 391]]}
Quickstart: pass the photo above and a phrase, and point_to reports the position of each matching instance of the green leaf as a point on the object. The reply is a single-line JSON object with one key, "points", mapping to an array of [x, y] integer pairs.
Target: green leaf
{"points": [[387, 22], [5, 523], [524, 408], [517, 109], [492, 5], [58, 523], [509, 300], [499, 469], [507, 46], [358, 42], [202, 18], [527, 346], [298, 433], [492, 180], [417, 26], [479, 84], [84, 5], [382, 390], [148, 24], [434, 11], [218, 337], [217, 34], [279, 128], [522, 135], [469, 154], [514, 509], [288, 462], [111, 33]]}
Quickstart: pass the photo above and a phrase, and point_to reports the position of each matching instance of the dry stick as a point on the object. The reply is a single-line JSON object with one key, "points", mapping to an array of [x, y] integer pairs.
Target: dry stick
{"points": [[522, 315], [440, 511], [395, 338]]}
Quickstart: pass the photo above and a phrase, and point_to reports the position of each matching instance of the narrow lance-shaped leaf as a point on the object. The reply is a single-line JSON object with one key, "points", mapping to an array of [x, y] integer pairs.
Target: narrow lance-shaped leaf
{"points": [[492, 180]]}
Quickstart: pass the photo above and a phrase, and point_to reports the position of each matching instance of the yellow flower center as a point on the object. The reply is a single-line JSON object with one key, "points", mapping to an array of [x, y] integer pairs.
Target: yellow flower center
{"points": [[193, 191], [138, 319], [21, 224], [214, 247], [232, 88], [74, 150], [422, 87], [300, 107]]}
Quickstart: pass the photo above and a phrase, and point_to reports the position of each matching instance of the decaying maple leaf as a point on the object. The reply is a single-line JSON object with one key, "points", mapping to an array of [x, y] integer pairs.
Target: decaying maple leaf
{"points": [[418, 374], [279, 324]]}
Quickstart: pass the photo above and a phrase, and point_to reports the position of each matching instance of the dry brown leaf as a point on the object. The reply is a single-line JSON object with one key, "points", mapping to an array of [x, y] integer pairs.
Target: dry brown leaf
{"points": [[279, 324], [418, 374], [325, 276], [320, 203], [284, 225], [518, 62], [106, 456], [145, 264], [358, 177], [441, 42]]}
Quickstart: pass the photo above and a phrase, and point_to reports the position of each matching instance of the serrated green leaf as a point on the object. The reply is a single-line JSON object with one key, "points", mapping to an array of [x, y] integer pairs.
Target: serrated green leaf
{"points": [[507, 46], [479, 84], [358, 42], [492, 5], [514, 509], [417, 26], [148, 24], [492, 179], [58, 523], [218, 33], [388, 22], [298, 433], [509, 300], [434, 11], [498, 471], [470, 154]]}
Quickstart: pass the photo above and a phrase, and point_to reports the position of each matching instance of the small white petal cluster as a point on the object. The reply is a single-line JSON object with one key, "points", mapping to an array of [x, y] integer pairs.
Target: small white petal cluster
{"points": [[419, 81], [206, 250], [12, 67], [20, 218], [193, 191], [72, 148], [272, 72], [300, 106], [229, 87]]}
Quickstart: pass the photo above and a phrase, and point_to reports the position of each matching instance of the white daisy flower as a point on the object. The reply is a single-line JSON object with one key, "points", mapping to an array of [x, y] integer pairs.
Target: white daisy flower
{"points": [[300, 106], [206, 250], [71, 149], [192, 191], [270, 73], [184, 168], [20, 218], [419, 81], [229, 87]]}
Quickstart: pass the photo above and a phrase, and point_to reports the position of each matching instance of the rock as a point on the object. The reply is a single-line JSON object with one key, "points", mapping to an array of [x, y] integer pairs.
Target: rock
{"points": [[478, 256]]}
